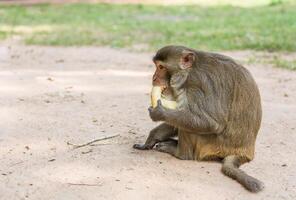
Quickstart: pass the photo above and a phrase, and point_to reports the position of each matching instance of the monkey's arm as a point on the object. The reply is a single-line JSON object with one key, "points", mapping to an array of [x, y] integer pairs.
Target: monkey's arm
{"points": [[199, 122]]}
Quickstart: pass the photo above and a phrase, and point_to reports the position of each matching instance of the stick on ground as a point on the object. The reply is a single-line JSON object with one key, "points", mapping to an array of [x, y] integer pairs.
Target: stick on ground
{"points": [[84, 184], [76, 146]]}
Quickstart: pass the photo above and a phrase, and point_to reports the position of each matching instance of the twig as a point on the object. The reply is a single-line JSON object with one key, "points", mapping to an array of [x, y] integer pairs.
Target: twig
{"points": [[93, 145], [76, 146], [14, 164], [84, 184], [85, 152]]}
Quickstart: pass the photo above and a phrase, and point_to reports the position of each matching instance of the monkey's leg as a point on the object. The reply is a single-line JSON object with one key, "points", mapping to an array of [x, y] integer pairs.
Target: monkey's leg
{"points": [[160, 133], [169, 147], [230, 168]]}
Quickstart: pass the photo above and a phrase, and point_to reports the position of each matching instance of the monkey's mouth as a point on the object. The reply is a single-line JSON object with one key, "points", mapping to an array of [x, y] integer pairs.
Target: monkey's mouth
{"points": [[158, 93]]}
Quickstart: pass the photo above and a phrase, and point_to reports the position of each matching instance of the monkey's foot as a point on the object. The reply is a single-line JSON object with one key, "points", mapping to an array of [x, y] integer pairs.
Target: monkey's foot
{"points": [[141, 147], [169, 147]]}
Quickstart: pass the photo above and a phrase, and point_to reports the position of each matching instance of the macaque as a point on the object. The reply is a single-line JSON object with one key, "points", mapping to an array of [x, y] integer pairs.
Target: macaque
{"points": [[217, 112]]}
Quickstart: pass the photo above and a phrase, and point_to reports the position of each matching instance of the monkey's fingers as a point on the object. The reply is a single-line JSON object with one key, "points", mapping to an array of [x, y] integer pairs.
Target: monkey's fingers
{"points": [[159, 104], [150, 109], [141, 147]]}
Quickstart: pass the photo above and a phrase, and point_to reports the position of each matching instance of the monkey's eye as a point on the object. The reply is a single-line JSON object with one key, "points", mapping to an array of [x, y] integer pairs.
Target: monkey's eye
{"points": [[160, 67]]}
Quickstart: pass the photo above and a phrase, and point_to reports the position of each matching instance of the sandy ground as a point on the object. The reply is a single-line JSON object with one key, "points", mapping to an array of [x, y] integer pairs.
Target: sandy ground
{"points": [[51, 96]]}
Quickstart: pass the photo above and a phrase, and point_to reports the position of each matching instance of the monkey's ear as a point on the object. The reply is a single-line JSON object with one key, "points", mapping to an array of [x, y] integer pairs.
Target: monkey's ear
{"points": [[187, 59]]}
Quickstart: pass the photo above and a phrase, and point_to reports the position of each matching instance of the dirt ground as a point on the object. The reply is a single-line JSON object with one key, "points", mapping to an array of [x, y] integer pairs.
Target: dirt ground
{"points": [[51, 96]]}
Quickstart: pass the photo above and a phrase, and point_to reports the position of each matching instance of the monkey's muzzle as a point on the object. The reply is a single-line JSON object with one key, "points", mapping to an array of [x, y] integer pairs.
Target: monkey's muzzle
{"points": [[156, 94]]}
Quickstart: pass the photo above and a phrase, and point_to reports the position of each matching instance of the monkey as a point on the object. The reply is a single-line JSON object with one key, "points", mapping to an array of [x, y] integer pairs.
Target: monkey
{"points": [[218, 113]]}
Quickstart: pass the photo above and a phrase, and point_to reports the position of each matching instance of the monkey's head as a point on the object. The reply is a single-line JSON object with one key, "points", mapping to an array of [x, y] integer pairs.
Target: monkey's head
{"points": [[170, 60]]}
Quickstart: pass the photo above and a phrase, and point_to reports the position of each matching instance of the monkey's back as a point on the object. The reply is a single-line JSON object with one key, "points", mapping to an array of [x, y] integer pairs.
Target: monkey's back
{"points": [[241, 115], [245, 115]]}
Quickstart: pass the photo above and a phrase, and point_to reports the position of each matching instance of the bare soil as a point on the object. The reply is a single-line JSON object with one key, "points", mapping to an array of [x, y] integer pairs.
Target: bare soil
{"points": [[51, 96]]}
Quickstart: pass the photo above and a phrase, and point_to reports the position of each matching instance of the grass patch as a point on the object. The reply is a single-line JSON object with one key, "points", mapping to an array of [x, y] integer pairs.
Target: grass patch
{"points": [[3, 35], [287, 61], [288, 64], [269, 28]]}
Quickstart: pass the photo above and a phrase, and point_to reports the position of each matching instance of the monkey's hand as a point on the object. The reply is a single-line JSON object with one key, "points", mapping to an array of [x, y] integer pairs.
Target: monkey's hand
{"points": [[157, 113]]}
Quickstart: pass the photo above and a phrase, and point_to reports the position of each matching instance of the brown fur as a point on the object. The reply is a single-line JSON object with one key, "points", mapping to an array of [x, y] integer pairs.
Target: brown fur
{"points": [[218, 114]]}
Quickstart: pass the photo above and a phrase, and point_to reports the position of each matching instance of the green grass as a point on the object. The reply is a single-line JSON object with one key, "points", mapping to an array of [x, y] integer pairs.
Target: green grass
{"points": [[271, 27], [279, 62]]}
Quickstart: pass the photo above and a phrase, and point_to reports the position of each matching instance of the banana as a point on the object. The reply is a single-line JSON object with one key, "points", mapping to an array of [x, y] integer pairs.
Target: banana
{"points": [[156, 95]]}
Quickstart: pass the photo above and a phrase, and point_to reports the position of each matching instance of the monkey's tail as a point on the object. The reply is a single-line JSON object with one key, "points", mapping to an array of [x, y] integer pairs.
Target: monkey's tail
{"points": [[230, 168]]}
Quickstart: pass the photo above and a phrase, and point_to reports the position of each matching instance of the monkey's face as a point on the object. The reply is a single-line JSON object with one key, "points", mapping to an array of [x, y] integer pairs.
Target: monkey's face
{"points": [[170, 65], [160, 87], [161, 76]]}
